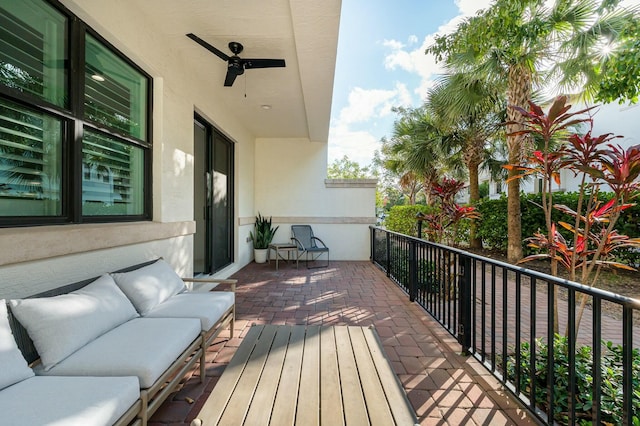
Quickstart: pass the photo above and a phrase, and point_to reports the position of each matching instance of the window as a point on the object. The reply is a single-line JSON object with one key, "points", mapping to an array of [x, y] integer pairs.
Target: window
{"points": [[539, 186], [30, 162], [74, 146], [33, 53], [115, 94]]}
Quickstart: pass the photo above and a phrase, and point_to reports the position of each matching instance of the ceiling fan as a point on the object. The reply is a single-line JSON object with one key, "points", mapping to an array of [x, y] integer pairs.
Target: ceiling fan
{"points": [[235, 64]]}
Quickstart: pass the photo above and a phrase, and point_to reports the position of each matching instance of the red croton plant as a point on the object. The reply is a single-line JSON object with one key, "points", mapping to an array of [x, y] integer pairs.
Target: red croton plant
{"points": [[596, 161], [443, 225]]}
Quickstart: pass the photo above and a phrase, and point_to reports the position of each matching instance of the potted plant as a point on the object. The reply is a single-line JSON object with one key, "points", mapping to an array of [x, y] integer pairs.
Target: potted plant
{"points": [[262, 236]]}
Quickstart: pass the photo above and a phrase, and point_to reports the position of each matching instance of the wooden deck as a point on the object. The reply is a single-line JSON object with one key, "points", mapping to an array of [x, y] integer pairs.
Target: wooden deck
{"points": [[308, 375]]}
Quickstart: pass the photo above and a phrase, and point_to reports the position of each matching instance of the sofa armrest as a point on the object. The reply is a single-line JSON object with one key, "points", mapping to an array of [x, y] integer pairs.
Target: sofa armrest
{"points": [[230, 282]]}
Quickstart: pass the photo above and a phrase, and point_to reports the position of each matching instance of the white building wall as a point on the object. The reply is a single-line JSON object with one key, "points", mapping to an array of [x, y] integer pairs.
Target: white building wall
{"points": [[290, 187]]}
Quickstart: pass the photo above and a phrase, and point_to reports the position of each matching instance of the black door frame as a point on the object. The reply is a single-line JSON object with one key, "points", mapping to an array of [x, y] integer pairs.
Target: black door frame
{"points": [[214, 136]]}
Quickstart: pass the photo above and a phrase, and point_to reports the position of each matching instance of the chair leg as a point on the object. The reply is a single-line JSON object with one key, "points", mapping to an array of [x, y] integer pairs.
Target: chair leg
{"points": [[313, 259]]}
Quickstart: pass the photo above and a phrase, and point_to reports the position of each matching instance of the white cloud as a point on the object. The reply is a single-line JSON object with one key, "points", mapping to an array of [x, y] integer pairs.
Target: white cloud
{"points": [[393, 44], [413, 39], [364, 105], [359, 146], [415, 60], [470, 7]]}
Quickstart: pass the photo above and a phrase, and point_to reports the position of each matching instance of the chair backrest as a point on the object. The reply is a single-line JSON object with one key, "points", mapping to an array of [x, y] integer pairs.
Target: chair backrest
{"points": [[304, 236]]}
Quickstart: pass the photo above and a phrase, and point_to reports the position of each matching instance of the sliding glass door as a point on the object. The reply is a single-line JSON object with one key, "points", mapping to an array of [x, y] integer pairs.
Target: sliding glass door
{"points": [[213, 198]]}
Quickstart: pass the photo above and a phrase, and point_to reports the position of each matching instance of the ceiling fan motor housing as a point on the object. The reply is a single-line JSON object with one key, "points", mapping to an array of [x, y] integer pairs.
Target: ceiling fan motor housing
{"points": [[235, 65]]}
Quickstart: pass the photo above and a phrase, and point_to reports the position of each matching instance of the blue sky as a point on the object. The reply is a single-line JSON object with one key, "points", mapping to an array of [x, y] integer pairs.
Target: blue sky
{"points": [[381, 64]]}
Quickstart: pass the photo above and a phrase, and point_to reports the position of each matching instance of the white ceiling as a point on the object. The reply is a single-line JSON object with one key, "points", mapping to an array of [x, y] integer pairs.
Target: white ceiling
{"points": [[302, 32]]}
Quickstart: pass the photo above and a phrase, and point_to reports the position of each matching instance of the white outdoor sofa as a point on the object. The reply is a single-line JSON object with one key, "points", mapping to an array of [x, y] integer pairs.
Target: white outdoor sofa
{"points": [[138, 324]]}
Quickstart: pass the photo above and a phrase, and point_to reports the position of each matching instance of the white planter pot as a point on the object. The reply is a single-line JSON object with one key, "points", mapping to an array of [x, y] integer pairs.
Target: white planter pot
{"points": [[260, 255]]}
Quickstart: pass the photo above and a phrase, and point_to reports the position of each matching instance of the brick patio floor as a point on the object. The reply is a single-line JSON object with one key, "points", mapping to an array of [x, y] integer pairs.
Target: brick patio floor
{"points": [[444, 387]]}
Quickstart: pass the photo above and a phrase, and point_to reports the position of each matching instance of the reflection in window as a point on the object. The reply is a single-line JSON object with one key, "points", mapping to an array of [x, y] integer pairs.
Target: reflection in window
{"points": [[30, 162], [33, 50], [113, 180], [115, 92]]}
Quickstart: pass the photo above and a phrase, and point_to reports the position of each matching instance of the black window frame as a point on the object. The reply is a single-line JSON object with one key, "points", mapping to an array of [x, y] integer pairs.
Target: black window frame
{"points": [[73, 125]]}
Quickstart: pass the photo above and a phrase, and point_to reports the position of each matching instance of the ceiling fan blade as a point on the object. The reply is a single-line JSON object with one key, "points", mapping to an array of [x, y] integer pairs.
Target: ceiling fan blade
{"points": [[207, 46], [263, 63], [230, 78]]}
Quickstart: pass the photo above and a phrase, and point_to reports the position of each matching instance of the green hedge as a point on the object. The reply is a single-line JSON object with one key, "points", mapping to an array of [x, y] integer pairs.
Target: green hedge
{"points": [[493, 224], [402, 219]]}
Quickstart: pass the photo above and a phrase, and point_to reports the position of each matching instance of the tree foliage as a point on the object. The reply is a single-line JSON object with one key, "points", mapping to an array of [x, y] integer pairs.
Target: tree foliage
{"points": [[621, 70], [413, 154], [345, 168]]}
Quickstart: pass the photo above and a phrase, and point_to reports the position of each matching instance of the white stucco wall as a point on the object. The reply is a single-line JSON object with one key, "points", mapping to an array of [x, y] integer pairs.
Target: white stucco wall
{"points": [[290, 186]]}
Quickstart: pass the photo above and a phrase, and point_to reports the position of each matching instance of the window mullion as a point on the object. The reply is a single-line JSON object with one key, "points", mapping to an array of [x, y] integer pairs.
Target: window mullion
{"points": [[76, 131]]}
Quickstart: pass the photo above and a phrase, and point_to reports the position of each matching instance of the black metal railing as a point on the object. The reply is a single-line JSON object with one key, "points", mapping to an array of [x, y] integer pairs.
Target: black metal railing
{"points": [[585, 366]]}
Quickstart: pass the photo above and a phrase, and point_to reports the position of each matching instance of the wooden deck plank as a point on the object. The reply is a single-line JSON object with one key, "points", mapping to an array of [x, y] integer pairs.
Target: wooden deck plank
{"points": [[355, 409], [238, 405], [330, 392], [377, 405], [284, 407], [308, 413], [262, 405], [401, 408], [308, 375], [222, 392]]}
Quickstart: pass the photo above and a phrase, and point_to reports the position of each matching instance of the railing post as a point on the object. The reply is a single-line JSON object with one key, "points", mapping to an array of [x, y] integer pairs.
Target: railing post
{"points": [[372, 245], [388, 258], [413, 270], [419, 218], [464, 303]]}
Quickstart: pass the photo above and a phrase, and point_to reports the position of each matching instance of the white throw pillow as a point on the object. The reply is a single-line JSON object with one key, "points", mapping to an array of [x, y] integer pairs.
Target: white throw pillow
{"points": [[14, 366], [61, 325], [149, 286]]}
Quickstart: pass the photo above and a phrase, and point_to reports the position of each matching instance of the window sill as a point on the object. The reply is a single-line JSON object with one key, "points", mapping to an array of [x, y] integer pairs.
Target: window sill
{"points": [[43, 242]]}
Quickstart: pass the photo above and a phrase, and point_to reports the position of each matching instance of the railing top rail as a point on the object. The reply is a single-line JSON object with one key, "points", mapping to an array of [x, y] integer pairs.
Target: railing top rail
{"points": [[593, 291]]}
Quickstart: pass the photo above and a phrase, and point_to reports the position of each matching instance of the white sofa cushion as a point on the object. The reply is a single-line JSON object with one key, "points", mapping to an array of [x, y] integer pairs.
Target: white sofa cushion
{"points": [[68, 401], [60, 325], [142, 347], [150, 285], [208, 307], [14, 366]]}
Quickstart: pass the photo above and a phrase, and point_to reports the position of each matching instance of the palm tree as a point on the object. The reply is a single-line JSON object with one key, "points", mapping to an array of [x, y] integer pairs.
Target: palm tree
{"points": [[470, 108], [529, 44], [415, 150]]}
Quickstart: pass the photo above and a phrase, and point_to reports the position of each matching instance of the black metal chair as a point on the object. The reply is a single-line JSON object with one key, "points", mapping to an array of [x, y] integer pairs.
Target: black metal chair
{"points": [[308, 244]]}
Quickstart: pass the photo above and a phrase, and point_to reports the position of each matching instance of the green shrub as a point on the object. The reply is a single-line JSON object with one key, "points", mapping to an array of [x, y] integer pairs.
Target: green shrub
{"points": [[493, 223], [611, 367], [402, 219]]}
